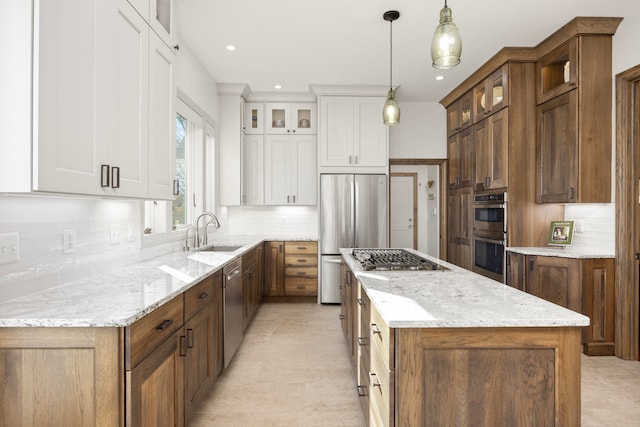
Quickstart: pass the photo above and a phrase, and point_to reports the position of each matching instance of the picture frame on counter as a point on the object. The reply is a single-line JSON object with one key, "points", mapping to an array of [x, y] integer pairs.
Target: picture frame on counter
{"points": [[560, 233]]}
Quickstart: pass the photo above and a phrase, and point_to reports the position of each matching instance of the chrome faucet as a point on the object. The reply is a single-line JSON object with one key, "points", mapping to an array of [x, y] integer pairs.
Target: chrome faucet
{"points": [[214, 221], [186, 239]]}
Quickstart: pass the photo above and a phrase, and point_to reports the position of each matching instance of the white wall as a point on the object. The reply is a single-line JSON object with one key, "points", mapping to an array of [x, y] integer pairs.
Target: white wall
{"points": [[421, 133]]}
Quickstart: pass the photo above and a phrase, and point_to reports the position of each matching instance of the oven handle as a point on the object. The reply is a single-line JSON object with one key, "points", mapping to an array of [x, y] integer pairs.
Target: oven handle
{"points": [[489, 205], [502, 242]]}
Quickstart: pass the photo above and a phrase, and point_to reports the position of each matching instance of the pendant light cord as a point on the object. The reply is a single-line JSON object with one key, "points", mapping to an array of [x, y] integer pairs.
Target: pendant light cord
{"points": [[391, 55]]}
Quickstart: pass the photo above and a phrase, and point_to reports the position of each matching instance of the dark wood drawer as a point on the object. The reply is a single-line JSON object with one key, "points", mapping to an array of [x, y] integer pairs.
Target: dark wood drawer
{"points": [[146, 334], [300, 261], [302, 248], [303, 286], [198, 296], [301, 271]]}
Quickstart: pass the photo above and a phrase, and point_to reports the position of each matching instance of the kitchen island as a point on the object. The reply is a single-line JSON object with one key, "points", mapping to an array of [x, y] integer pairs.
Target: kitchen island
{"points": [[433, 348]]}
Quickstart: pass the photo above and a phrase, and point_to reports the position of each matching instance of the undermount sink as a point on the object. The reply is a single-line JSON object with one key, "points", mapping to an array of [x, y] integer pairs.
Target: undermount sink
{"points": [[219, 248]]}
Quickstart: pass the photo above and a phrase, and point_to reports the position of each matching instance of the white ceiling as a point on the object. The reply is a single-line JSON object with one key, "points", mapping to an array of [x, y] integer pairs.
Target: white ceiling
{"points": [[296, 43]]}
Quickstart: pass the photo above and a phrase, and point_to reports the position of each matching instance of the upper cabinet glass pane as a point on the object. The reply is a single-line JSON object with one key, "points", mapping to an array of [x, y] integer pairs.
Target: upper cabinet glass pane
{"points": [[163, 14]]}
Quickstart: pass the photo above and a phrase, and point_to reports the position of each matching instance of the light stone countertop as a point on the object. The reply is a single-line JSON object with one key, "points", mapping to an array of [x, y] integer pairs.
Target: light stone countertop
{"points": [[457, 298], [569, 252], [122, 296]]}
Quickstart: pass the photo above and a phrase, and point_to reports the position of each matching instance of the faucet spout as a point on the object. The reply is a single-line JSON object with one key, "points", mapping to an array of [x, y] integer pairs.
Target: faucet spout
{"points": [[214, 221], [186, 238]]}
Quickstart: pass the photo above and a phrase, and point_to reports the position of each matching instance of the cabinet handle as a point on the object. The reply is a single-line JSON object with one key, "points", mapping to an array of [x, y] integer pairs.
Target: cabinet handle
{"points": [[350, 157], [360, 301], [183, 347], [531, 261], [362, 341], [104, 176], [288, 199], [342, 317], [176, 47], [189, 338], [356, 157], [301, 287], [571, 193], [301, 273], [508, 259], [176, 187], [294, 198], [362, 391], [203, 295], [164, 325], [373, 380], [115, 177], [375, 329]]}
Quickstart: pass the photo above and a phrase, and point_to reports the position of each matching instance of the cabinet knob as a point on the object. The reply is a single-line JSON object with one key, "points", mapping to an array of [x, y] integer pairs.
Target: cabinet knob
{"points": [[176, 47]]}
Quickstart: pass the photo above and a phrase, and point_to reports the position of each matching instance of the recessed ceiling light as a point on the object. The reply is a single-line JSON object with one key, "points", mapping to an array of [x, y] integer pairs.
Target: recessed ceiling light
{"points": [[230, 47], [439, 77], [277, 87]]}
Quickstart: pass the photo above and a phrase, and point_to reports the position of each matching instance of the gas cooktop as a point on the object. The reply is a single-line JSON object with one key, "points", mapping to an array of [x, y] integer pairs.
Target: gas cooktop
{"points": [[393, 259]]}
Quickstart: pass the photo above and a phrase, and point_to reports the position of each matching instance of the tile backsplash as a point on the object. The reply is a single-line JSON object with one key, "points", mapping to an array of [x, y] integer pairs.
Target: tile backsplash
{"points": [[599, 225]]}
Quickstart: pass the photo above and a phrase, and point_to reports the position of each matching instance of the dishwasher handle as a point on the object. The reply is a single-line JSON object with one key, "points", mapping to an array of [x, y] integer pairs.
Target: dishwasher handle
{"points": [[233, 274]]}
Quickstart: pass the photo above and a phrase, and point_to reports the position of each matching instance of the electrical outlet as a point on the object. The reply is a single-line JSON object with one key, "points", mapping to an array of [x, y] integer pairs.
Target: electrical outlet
{"points": [[114, 234], [579, 226], [9, 248], [69, 241]]}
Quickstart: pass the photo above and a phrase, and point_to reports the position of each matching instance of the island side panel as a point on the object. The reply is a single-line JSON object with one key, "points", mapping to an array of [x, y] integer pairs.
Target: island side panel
{"points": [[488, 377], [61, 376]]}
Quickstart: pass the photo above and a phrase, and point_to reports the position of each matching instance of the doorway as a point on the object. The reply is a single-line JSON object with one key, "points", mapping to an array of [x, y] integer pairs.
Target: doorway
{"points": [[627, 318], [403, 210]]}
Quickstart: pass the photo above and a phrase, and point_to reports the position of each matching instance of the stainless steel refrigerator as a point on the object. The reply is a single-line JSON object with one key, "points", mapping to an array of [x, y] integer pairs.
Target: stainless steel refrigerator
{"points": [[353, 214]]}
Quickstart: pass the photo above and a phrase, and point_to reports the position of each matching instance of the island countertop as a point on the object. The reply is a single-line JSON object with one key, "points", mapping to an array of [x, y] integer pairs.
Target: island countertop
{"points": [[456, 298]]}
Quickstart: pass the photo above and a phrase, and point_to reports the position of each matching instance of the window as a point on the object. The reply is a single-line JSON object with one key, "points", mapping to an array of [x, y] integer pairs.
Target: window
{"points": [[195, 150]]}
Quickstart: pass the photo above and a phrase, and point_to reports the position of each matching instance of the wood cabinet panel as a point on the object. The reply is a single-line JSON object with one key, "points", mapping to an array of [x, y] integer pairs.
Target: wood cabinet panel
{"points": [[274, 269], [145, 334], [460, 227], [155, 387], [461, 154], [555, 279]]}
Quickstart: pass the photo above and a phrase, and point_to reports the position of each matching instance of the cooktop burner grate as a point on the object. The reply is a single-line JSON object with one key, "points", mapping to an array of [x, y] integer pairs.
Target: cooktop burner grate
{"points": [[393, 259]]}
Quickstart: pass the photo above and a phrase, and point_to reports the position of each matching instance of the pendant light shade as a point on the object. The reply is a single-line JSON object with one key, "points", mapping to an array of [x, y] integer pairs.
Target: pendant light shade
{"points": [[446, 46], [391, 110]]}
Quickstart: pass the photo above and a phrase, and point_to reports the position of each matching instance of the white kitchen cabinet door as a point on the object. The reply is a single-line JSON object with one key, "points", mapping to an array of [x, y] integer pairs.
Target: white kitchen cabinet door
{"points": [[66, 154], [336, 131], [162, 21], [370, 133], [162, 119], [122, 90], [230, 149], [306, 164], [352, 132], [293, 118], [290, 170], [253, 170], [253, 121]]}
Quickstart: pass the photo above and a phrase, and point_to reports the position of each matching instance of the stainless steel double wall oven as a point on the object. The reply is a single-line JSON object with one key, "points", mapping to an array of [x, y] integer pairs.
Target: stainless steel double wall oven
{"points": [[490, 234]]}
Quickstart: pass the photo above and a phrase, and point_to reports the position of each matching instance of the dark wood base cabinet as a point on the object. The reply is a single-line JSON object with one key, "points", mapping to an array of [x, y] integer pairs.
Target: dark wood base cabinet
{"points": [[584, 285]]}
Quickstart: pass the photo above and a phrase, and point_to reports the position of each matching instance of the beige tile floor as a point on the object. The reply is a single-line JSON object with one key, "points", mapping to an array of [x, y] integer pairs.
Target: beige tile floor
{"points": [[292, 370]]}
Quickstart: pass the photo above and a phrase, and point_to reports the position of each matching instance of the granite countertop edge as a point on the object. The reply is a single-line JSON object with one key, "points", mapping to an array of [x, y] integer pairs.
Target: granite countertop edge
{"points": [[562, 252], [121, 296]]}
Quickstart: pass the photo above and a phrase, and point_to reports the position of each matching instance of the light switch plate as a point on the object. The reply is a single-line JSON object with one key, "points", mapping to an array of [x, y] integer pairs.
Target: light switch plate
{"points": [[9, 248]]}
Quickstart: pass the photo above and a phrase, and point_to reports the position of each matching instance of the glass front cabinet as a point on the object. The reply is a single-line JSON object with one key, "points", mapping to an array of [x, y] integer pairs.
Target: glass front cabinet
{"points": [[283, 119]]}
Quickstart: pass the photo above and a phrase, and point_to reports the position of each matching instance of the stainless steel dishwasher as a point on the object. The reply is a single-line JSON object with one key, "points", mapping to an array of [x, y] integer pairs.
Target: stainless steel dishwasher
{"points": [[232, 309]]}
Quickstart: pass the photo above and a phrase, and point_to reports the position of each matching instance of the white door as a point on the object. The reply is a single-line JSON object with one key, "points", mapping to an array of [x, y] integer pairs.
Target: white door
{"points": [[252, 170], [402, 210], [305, 175], [370, 134], [336, 131]]}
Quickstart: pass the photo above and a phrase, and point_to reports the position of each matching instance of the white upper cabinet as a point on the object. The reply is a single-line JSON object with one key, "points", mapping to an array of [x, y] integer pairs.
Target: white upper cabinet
{"points": [[162, 119], [352, 133], [253, 119], [290, 174], [87, 127], [160, 15], [253, 170], [283, 119]]}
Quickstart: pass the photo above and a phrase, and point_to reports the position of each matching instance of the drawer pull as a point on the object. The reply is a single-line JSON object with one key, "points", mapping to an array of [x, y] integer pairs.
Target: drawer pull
{"points": [[183, 347], [301, 273], [302, 248], [302, 260], [375, 329], [189, 338], [362, 391], [373, 380], [203, 295], [301, 287], [164, 325]]}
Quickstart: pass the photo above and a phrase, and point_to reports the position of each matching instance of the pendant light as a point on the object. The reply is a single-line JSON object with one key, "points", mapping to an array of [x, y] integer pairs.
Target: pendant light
{"points": [[391, 111], [446, 46]]}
